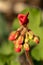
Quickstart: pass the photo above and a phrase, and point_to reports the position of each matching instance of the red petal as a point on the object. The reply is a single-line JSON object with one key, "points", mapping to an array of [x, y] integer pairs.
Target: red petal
{"points": [[23, 19]]}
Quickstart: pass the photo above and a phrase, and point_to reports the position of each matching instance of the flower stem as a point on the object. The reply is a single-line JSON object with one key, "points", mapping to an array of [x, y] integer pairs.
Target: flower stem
{"points": [[29, 59]]}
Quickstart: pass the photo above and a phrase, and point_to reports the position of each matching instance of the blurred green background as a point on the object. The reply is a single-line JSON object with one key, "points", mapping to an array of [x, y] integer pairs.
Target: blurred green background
{"points": [[8, 22]]}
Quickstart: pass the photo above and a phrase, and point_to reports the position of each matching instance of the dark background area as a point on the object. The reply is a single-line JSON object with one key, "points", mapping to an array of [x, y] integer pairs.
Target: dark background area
{"points": [[12, 7]]}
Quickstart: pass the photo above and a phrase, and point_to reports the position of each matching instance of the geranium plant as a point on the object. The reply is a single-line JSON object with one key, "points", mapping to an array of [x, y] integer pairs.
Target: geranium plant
{"points": [[22, 36], [26, 33]]}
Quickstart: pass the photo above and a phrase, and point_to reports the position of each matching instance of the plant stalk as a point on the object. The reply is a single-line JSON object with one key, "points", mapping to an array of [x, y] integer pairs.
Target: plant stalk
{"points": [[29, 59]]}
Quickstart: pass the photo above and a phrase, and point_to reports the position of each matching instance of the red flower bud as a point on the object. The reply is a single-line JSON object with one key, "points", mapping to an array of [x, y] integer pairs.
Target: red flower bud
{"points": [[13, 36], [23, 19], [36, 40], [20, 40], [26, 47], [17, 49]]}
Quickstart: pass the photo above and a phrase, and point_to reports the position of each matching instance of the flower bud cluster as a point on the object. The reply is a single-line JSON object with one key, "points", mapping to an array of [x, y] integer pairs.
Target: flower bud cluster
{"points": [[22, 36], [22, 40]]}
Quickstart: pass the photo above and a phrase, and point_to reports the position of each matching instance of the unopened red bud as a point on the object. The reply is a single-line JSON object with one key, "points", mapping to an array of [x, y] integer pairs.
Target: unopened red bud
{"points": [[13, 36], [36, 40], [17, 49], [26, 47], [20, 40], [23, 19]]}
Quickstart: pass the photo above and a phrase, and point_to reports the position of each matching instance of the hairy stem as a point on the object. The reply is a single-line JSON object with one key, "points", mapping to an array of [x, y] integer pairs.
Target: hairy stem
{"points": [[29, 59]]}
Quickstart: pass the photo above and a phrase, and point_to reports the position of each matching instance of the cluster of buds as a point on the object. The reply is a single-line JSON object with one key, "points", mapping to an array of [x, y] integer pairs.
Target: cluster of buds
{"points": [[23, 35]]}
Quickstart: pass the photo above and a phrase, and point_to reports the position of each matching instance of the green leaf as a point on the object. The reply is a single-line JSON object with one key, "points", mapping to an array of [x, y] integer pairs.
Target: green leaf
{"points": [[1, 62], [6, 48], [15, 24], [33, 14], [4, 30], [35, 19], [14, 61]]}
